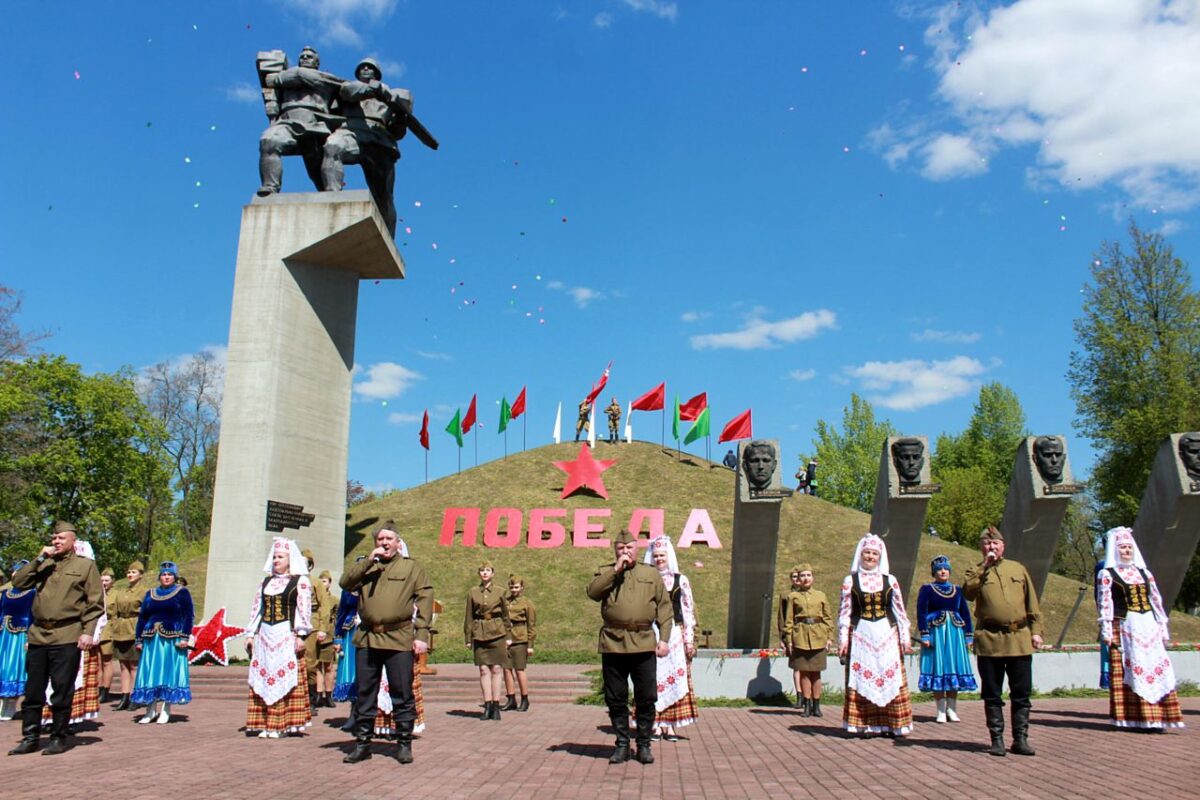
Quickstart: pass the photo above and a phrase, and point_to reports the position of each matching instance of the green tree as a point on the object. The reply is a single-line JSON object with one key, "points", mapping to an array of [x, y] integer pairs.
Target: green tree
{"points": [[848, 460], [969, 501], [1135, 377], [78, 447]]}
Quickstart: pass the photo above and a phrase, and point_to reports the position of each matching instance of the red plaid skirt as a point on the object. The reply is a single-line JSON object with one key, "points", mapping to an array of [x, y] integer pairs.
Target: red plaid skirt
{"points": [[1127, 709], [86, 702], [684, 711], [386, 726], [290, 714], [860, 715]]}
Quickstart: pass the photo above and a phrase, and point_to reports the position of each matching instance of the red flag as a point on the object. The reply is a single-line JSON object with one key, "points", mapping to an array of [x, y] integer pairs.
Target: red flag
{"points": [[652, 400], [599, 387], [468, 421], [692, 408], [425, 430], [739, 427], [518, 406]]}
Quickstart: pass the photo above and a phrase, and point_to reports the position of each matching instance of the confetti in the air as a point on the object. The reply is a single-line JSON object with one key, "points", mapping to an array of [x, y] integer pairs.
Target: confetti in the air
{"points": [[417, 203], [435, 245], [862, 52], [76, 74], [187, 160]]}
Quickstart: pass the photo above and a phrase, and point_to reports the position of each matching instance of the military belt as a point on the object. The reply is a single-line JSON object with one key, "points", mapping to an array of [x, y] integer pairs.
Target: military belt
{"points": [[388, 627], [809, 620], [629, 626], [495, 616], [1004, 627], [51, 624]]}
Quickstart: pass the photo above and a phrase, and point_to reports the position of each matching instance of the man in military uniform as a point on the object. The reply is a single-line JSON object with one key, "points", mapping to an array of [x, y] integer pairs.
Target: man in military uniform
{"points": [[614, 421], [632, 598], [299, 120], [67, 607], [390, 585], [1008, 628], [319, 643], [583, 423]]}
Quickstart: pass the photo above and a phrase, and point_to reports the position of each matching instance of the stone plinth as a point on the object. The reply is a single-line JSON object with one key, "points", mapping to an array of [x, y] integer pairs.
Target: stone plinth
{"points": [[285, 418], [898, 514], [1034, 510], [1168, 521], [755, 542]]}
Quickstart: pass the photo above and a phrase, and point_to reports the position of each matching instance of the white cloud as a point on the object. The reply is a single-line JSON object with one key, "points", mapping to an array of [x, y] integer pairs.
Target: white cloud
{"points": [[660, 9], [758, 333], [582, 295], [603, 20], [386, 380], [694, 316], [802, 375], [244, 93], [1102, 92], [404, 418], [338, 21], [947, 337], [912, 384]]}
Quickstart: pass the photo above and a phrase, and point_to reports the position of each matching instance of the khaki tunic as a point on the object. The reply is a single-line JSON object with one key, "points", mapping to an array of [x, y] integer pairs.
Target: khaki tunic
{"points": [[1004, 598], [797, 606], [629, 604], [123, 607], [106, 634], [69, 598], [486, 615], [388, 591], [524, 620]]}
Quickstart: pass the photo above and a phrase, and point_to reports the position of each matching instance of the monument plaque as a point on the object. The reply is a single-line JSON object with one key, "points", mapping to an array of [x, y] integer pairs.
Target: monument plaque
{"points": [[286, 515]]}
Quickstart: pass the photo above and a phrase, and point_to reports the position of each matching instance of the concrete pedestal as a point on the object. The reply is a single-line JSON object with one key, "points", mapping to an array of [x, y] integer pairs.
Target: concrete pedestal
{"points": [[285, 418], [898, 514], [1034, 511], [1168, 521], [755, 543]]}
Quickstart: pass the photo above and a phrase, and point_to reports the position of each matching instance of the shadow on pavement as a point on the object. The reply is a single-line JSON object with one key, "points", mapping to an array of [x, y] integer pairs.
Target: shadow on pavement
{"points": [[586, 750]]}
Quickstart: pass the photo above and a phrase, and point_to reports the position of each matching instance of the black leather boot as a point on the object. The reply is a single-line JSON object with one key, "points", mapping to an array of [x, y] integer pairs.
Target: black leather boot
{"points": [[524, 703], [644, 756], [314, 702], [1020, 725], [995, 726], [362, 742], [348, 725], [815, 707], [495, 710], [104, 695], [620, 723], [404, 742], [123, 703], [805, 707], [511, 705], [31, 728]]}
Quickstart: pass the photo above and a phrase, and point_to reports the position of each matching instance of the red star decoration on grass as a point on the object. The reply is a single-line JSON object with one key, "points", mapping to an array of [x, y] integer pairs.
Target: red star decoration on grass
{"points": [[584, 473], [211, 639]]}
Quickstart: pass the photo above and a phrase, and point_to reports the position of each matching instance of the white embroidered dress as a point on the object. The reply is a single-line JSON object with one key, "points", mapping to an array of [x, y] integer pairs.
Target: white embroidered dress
{"points": [[274, 667], [875, 667], [1147, 667]]}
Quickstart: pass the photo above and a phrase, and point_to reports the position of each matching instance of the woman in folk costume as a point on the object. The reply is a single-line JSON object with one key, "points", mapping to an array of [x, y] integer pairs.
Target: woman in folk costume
{"points": [[384, 724], [86, 702], [944, 619], [676, 704], [280, 616], [873, 634], [1134, 624], [164, 627], [345, 685], [16, 615]]}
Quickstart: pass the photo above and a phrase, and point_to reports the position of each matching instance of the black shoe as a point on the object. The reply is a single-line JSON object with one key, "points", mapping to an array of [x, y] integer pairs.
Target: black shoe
{"points": [[26, 746], [997, 748], [348, 725], [104, 696], [511, 705], [495, 710], [815, 707], [524, 703], [670, 737], [1021, 747], [55, 747], [620, 754], [806, 707], [123, 704], [361, 752], [644, 756], [487, 711], [404, 751]]}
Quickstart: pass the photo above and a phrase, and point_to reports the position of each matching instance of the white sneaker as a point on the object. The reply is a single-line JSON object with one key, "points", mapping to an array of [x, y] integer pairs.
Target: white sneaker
{"points": [[941, 717], [146, 719]]}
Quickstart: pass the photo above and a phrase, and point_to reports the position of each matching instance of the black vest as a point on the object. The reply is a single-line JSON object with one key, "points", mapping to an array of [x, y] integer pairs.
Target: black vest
{"points": [[871, 605], [280, 607], [1131, 596]]}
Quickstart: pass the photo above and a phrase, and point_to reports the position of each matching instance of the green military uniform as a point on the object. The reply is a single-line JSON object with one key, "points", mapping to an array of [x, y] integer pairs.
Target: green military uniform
{"points": [[631, 602], [106, 643], [486, 627], [523, 618], [124, 603], [614, 421], [805, 626], [582, 424], [317, 652]]}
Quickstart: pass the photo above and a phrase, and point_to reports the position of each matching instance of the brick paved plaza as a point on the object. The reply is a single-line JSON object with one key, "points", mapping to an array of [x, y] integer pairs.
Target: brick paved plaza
{"points": [[558, 750]]}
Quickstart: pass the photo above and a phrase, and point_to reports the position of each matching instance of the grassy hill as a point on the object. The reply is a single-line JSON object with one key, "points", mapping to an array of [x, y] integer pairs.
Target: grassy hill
{"points": [[645, 476]]}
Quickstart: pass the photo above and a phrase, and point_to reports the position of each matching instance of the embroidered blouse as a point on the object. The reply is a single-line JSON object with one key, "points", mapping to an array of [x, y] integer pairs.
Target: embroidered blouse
{"points": [[1129, 584], [682, 604], [300, 617], [165, 612], [871, 583], [937, 606]]}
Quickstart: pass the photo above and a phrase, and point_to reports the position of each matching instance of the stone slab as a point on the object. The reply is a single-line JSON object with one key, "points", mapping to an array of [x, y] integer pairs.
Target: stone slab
{"points": [[1168, 521], [752, 561], [898, 513]]}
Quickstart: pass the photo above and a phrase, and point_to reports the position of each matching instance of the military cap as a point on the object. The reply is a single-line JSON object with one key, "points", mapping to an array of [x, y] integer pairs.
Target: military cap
{"points": [[992, 532], [139, 566], [624, 537], [62, 526]]}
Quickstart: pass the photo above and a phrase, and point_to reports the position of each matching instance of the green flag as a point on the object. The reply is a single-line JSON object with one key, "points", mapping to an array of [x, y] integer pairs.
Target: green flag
{"points": [[505, 415], [699, 428], [675, 421], [455, 427]]}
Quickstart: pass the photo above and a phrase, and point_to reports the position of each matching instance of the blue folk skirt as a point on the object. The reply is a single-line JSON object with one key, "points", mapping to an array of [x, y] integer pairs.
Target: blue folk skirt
{"points": [[12, 663], [946, 666], [162, 673], [344, 689]]}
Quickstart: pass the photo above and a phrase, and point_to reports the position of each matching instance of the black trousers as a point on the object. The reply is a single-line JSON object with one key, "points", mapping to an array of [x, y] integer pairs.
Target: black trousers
{"points": [[618, 669], [991, 679], [58, 664], [369, 664]]}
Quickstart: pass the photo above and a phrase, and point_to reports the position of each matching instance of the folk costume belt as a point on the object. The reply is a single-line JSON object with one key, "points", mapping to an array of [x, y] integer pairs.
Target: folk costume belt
{"points": [[1005, 627]]}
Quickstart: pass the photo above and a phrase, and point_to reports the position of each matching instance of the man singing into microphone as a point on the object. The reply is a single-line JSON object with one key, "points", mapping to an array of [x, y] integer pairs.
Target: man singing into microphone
{"points": [[1008, 628]]}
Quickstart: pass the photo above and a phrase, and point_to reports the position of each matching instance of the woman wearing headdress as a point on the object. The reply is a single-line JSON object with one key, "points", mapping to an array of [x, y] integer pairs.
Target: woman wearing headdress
{"points": [[805, 631], [85, 704], [280, 618], [873, 638], [164, 627], [123, 607], [105, 646], [676, 704], [16, 615], [488, 633], [944, 620], [1133, 623], [523, 617]]}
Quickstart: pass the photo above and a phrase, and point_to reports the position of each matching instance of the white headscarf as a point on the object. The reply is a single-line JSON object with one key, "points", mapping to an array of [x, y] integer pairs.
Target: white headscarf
{"points": [[662, 543], [1118, 536], [84, 549], [873, 542], [297, 563]]}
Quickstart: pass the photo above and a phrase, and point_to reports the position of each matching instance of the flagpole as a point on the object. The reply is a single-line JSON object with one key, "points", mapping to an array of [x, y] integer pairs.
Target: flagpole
{"points": [[664, 423], [523, 418], [506, 444], [476, 439], [460, 460], [427, 466]]}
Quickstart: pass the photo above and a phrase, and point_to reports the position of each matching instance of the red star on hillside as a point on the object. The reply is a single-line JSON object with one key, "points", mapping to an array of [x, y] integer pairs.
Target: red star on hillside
{"points": [[211, 639], [584, 473]]}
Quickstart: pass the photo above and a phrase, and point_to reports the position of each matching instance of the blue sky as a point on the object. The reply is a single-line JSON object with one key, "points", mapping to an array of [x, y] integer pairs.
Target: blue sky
{"points": [[776, 203]]}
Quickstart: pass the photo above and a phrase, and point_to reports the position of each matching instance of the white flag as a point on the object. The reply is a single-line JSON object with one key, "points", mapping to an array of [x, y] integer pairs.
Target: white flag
{"points": [[592, 427], [629, 423], [558, 424]]}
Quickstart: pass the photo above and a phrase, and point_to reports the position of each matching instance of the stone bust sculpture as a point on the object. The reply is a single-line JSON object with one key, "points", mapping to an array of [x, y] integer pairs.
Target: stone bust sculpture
{"points": [[908, 456], [1189, 454], [1050, 458], [759, 461]]}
